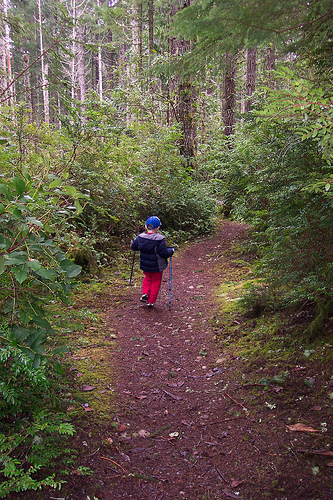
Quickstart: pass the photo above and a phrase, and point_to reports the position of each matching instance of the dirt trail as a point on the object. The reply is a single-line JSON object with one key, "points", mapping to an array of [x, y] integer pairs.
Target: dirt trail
{"points": [[177, 427], [183, 428]]}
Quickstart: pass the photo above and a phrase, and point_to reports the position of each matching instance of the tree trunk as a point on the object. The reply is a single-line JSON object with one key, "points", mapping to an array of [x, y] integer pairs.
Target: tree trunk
{"points": [[7, 55], [99, 64], [186, 95], [251, 67], [27, 84], [270, 65], [150, 30], [80, 64], [44, 67], [186, 111], [3, 65], [229, 95], [73, 66]]}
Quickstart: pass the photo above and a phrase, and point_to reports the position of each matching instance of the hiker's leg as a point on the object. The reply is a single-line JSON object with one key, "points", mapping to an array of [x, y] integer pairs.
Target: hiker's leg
{"points": [[146, 284], [156, 280]]}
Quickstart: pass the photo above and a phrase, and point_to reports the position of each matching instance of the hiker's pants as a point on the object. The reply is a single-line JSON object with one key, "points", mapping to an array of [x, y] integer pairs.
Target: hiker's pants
{"points": [[151, 285]]}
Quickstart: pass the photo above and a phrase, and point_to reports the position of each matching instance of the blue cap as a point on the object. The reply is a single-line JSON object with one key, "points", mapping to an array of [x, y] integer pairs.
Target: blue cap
{"points": [[153, 222]]}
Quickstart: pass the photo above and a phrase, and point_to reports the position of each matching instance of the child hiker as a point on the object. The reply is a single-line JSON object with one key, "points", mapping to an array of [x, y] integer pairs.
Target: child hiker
{"points": [[153, 259]]}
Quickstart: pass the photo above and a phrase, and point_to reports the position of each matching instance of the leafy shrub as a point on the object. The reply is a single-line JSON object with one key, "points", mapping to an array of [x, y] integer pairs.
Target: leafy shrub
{"points": [[32, 268], [277, 176]]}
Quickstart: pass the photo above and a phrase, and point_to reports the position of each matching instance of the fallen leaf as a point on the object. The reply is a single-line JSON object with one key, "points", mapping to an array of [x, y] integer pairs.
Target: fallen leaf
{"points": [[234, 483], [189, 424], [302, 428], [87, 388], [110, 440], [121, 427], [143, 433], [330, 464], [88, 408], [316, 408]]}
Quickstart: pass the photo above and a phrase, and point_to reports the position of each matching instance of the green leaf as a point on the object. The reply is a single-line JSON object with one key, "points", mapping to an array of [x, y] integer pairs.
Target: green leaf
{"points": [[72, 270], [55, 183], [36, 222], [43, 323], [57, 367], [2, 264], [20, 333], [47, 274], [35, 265], [78, 207], [16, 258], [19, 185], [4, 242], [71, 190], [20, 272], [60, 256], [6, 192]]}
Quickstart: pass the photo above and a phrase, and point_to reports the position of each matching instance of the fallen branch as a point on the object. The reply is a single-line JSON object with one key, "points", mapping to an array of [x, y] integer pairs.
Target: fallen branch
{"points": [[176, 398], [115, 463], [236, 402], [318, 452]]}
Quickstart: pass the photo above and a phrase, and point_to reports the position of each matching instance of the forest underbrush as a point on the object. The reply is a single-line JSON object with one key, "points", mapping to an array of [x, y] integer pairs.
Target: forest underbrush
{"points": [[203, 401]]}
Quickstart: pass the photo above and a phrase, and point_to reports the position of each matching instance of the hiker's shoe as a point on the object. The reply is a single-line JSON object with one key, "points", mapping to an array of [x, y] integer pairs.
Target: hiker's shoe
{"points": [[144, 297], [149, 304]]}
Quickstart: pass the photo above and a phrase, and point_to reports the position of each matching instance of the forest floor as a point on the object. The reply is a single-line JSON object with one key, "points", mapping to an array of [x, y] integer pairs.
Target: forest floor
{"points": [[198, 402]]}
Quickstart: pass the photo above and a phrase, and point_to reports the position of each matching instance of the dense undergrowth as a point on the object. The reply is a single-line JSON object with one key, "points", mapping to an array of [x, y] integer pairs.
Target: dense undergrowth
{"points": [[72, 200]]}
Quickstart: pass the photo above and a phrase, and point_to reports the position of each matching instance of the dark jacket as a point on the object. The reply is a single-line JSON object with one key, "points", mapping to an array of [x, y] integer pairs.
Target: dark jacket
{"points": [[153, 252]]}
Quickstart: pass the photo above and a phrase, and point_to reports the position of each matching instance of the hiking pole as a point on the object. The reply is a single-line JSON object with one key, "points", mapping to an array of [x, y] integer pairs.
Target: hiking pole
{"points": [[130, 280], [170, 284]]}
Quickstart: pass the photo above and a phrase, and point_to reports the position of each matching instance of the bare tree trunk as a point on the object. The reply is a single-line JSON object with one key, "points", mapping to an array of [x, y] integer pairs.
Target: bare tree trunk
{"points": [[150, 30], [270, 65], [7, 54], [99, 65], [44, 68], [74, 50], [80, 64], [27, 84], [186, 95], [186, 111], [229, 95], [136, 24], [251, 68], [3, 65]]}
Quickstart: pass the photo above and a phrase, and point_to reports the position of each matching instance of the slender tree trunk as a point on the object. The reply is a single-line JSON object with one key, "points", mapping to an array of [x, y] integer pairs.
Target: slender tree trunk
{"points": [[80, 63], [7, 56], [150, 30], [270, 65], [44, 68], [3, 65], [187, 110], [251, 68], [136, 24], [73, 66], [186, 95], [27, 84], [229, 95], [99, 64]]}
